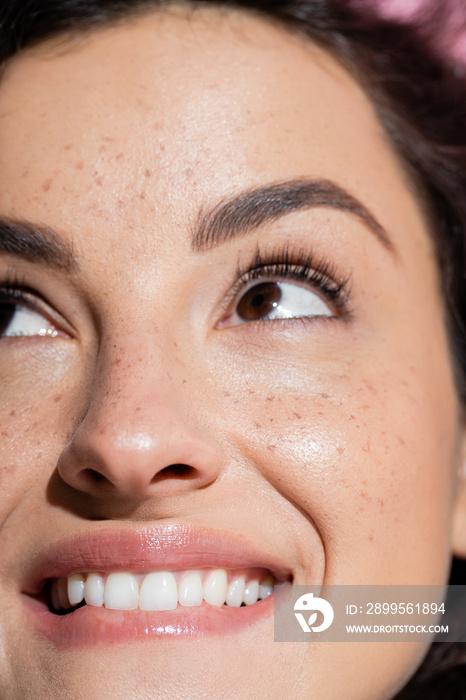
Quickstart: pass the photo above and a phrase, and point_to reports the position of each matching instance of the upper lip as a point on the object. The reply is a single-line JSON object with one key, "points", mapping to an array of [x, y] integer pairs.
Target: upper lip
{"points": [[140, 550]]}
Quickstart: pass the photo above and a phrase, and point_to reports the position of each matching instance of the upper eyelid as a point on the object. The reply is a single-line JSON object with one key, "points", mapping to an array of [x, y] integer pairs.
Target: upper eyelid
{"points": [[34, 300]]}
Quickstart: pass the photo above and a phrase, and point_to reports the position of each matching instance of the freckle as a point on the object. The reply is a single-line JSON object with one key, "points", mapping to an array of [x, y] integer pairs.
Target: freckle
{"points": [[324, 396], [121, 204], [270, 398], [401, 441], [119, 156], [226, 394], [352, 418], [138, 409], [109, 139], [58, 398], [98, 181], [68, 147], [272, 420], [184, 381], [13, 413], [79, 165], [148, 173], [25, 173], [142, 195], [4, 433], [258, 426], [297, 415], [371, 538], [381, 504], [340, 450], [46, 185]]}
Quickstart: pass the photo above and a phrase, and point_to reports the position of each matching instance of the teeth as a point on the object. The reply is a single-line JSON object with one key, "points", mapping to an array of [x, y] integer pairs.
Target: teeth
{"points": [[190, 591], [266, 588], [160, 590], [251, 593], [76, 589], [235, 592], [215, 587], [94, 590], [121, 592]]}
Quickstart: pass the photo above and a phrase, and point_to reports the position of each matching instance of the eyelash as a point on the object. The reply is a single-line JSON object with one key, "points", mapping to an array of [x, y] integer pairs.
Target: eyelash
{"points": [[12, 290], [301, 266]]}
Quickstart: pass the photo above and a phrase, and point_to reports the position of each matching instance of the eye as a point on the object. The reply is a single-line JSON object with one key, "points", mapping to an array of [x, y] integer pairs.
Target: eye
{"points": [[20, 319], [272, 300]]}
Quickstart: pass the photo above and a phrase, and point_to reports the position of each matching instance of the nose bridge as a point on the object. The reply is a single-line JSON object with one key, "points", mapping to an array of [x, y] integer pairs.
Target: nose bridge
{"points": [[140, 425]]}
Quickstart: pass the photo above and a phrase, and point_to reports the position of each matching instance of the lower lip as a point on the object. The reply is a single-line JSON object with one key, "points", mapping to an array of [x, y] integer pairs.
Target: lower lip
{"points": [[90, 625]]}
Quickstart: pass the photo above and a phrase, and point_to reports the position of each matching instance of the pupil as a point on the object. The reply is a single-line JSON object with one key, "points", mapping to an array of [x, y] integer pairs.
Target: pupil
{"points": [[259, 301], [7, 311]]}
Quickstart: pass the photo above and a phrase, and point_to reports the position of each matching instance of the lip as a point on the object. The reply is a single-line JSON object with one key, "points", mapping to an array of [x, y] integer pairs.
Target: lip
{"points": [[141, 550]]}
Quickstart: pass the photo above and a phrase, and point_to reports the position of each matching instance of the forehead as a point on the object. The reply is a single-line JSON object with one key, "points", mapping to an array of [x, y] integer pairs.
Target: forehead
{"points": [[165, 114]]}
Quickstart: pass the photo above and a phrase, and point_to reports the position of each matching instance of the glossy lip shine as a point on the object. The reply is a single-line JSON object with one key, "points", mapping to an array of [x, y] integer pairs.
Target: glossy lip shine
{"points": [[138, 551]]}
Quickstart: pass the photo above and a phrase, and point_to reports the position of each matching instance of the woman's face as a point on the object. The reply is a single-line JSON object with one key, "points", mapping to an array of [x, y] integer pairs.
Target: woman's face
{"points": [[158, 411]]}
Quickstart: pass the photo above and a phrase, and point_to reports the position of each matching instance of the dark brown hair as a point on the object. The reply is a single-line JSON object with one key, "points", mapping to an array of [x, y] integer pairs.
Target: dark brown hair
{"points": [[420, 99]]}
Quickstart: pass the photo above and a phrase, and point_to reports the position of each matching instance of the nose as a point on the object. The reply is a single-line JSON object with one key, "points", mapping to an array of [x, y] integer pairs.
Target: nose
{"points": [[141, 436]]}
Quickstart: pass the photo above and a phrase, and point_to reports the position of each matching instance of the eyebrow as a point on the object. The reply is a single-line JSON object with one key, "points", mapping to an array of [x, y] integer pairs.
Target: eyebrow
{"points": [[37, 244], [253, 208]]}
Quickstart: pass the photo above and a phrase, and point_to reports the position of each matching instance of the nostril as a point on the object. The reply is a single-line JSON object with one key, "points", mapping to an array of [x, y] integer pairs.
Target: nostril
{"points": [[183, 471], [92, 478]]}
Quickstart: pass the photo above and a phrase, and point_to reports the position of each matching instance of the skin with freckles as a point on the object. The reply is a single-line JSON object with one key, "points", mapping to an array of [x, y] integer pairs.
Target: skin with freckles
{"points": [[332, 442]]}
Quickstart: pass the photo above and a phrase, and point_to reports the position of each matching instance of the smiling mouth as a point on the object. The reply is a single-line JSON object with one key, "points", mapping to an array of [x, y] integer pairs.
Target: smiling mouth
{"points": [[158, 590]]}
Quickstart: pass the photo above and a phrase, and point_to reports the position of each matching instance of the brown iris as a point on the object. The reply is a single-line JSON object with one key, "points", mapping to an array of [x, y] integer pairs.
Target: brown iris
{"points": [[259, 301]]}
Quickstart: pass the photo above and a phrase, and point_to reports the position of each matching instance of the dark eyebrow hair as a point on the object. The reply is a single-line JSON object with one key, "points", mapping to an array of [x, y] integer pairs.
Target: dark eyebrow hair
{"points": [[36, 243], [249, 210]]}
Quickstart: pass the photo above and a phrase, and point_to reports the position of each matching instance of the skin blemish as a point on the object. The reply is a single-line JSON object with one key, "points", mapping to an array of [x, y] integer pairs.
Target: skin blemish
{"points": [[58, 398], [46, 185], [297, 415], [79, 165], [147, 173]]}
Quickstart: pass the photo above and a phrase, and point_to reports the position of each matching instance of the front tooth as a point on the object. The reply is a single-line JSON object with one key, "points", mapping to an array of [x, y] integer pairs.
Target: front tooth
{"points": [[76, 588], [266, 588], [251, 593], [94, 590], [190, 591], [236, 592], [158, 592], [121, 592], [215, 587]]}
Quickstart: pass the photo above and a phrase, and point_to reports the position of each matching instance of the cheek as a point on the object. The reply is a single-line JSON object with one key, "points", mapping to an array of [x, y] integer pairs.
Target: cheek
{"points": [[365, 464], [42, 397]]}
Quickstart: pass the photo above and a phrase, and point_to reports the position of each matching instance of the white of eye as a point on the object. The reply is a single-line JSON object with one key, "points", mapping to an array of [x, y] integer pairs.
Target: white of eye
{"points": [[26, 322], [281, 300]]}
